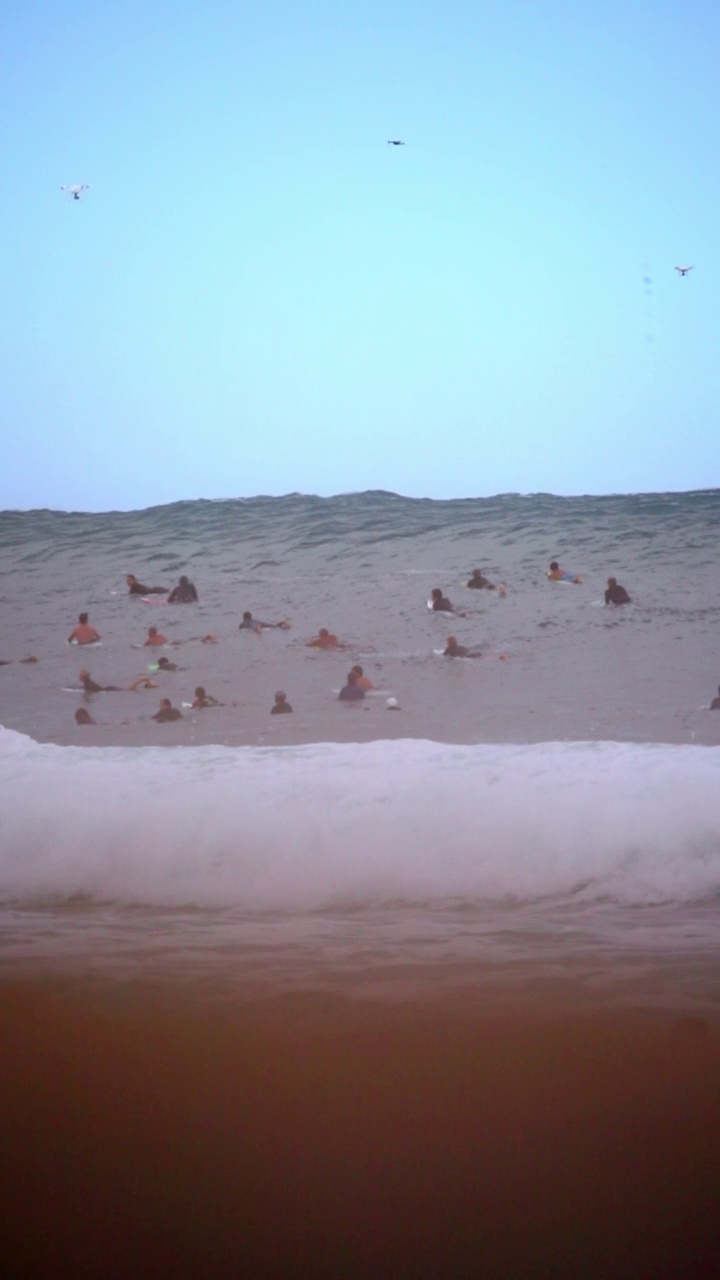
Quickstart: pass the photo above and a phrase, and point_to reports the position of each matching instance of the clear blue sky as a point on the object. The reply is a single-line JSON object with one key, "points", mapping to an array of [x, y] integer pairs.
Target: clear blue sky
{"points": [[258, 295]]}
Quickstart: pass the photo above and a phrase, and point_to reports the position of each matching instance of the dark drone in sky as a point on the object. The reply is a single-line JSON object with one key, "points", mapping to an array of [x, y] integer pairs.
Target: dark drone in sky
{"points": [[683, 270], [395, 142], [76, 192]]}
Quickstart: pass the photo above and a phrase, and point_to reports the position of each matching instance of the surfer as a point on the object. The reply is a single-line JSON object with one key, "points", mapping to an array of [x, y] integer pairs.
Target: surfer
{"points": [[440, 603], [203, 699], [616, 594], [324, 640], [478, 582], [556, 574], [167, 712], [352, 691], [136, 588], [164, 664], [83, 633], [281, 706], [183, 593], [253, 624], [154, 638], [91, 686], [454, 650]]}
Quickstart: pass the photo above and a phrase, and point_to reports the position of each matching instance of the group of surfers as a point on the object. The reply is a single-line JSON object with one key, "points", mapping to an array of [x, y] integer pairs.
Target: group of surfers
{"points": [[357, 684]]}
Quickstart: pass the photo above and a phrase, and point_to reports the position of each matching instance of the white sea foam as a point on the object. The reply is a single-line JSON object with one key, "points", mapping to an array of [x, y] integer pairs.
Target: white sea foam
{"points": [[326, 826]]}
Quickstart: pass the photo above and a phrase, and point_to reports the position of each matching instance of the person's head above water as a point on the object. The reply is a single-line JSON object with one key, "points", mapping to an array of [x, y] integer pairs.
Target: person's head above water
{"points": [[82, 619], [83, 717], [130, 578], [612, 582], [554, 564]]}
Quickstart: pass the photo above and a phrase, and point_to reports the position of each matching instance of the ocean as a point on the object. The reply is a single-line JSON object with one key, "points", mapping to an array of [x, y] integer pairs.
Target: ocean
{"points": [[520, 860]]}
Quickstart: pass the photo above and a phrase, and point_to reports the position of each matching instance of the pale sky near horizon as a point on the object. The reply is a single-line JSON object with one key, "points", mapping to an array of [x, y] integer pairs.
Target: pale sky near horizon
{"points": [[259, 295]]}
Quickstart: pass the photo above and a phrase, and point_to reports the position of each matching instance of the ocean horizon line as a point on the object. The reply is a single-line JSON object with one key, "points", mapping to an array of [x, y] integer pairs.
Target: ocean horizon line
{"points": [[362, 493]]}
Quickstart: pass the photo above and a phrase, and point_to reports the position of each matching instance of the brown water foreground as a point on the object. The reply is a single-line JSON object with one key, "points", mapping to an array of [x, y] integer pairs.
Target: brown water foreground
{"points": [[146, 1135]]}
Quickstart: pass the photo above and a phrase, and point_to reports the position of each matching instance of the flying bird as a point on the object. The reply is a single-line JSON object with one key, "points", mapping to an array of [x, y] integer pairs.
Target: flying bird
{"points": [[395, 142], [76, 192], [683, 270]]}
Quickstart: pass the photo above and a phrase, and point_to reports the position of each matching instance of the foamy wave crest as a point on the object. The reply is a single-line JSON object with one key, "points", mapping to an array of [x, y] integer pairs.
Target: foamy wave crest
{"points": [[325, 826]]}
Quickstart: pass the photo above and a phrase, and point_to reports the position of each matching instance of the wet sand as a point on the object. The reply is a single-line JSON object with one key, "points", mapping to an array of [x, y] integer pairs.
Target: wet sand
{"points": [[150, 1134]]}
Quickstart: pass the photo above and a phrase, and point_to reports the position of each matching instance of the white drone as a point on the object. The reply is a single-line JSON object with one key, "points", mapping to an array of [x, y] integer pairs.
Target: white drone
{"points": [[76, 192], [683, 270]]}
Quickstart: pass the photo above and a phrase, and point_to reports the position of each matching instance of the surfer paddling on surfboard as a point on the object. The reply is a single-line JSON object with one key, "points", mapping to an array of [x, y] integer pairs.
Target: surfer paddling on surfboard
{"points": [[556, 574], [136, 588]]}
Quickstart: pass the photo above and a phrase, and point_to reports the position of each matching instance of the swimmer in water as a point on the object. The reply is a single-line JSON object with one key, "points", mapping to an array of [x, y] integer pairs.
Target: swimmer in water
{"points": [[164, 664], [154, 638], [253, 624], [362, 679], [281, 706], [167, 712], [203, 699], [556, 574], [715, 704], [183, 593], [441, 604], [477, 582], [352, 691], [142, 682], [616, 594], [324, 640], [83, 717], [454, 650], [90, 686], [136, 588], [83, 633]]}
